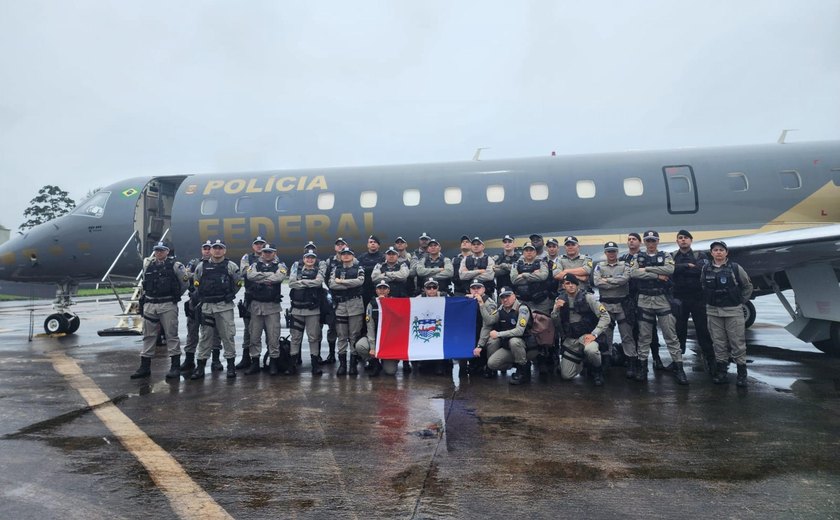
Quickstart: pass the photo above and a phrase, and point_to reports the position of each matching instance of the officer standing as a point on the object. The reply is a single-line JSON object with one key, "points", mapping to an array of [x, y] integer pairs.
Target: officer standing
{"points": [[572, 262], [328, 317], [552, 260], [263, 287], [368, 261], [366, 346], [217, 281], [612, 278], [434, 266], [653, 269], [394, 273], [503, 262], [346, 281], [193, 322], [634, 244], [461, 287], [508, 343], [583, 322], [244, 306], [529, 275], [306, 284], [478, 267], [687, 266], [537, 241], [164, 281], [726, 287]]}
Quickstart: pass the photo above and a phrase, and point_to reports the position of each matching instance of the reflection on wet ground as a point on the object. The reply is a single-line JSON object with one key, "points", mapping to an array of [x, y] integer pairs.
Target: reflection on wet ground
{"points": [[421, 446]]}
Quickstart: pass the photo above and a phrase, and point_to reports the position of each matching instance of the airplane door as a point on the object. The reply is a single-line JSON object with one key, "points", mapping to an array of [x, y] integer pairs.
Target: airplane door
{"points": [[681, 189]]}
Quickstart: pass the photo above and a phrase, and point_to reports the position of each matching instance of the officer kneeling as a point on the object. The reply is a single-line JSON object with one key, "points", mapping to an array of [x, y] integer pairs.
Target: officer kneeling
{"points": [[509, 340], [582, 320]]}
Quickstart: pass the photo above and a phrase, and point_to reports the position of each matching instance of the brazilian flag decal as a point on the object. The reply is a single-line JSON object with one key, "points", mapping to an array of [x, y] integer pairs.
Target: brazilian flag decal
{"points": [[130, 192]]}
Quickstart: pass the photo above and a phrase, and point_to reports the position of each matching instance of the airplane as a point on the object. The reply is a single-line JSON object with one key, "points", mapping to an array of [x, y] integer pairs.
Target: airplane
{"points": [[776, 205]]}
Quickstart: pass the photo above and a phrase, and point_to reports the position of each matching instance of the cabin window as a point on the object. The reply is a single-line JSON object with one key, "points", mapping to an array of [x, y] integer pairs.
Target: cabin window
{"points": [[738, 181], [633, 187], [452, 195], [679, 184], [539, 191], [495, 193], [585, 189], [94, 206], [411, 197], [326, 201], [368, 199], [281, 203], [209, 207], [244, 205], [790, 179]]}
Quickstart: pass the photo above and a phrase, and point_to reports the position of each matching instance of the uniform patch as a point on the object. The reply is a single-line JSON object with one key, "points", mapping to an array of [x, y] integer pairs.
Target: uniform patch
{"points": [[367, 318], [601, 308], [589, 263], [523, 322]]}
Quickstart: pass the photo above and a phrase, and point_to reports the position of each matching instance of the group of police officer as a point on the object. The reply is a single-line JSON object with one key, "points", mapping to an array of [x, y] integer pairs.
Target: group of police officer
{"points": [[546, 313]]}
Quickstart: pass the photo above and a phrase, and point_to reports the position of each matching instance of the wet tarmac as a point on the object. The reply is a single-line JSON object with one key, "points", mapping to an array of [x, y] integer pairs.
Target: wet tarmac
{"points": [[415, 446]]}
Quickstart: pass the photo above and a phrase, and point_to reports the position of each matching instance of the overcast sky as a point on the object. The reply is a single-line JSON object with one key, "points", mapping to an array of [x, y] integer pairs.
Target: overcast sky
{"points": [[95, 91]]}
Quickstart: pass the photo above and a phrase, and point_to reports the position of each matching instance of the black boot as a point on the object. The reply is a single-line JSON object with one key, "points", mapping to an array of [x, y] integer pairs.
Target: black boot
{"points": [[273, 366], [298, 359], [189, 364], [331, 356], [198, 373], [246, 358], [679, 373], [316, 369], [174, 367], [598, 375], [641, 370], [231, 368], [632, 363], [342, 365], [406, 367], [657, 361], [216, 361], [377, 367], [145, 369], [522, 375], [253, 366], [720, 373], [353, 369], [741, 378]]}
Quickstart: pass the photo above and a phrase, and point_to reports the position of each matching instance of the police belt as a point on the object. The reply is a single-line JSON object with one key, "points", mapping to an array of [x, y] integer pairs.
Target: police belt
{"points": [[621, 299], [165, 299], [651, 291], [342, 299], [305, 305]]}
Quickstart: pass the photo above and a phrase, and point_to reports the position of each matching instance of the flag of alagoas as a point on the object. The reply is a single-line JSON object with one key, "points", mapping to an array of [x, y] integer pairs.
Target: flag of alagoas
{"points": [[426, 328]]}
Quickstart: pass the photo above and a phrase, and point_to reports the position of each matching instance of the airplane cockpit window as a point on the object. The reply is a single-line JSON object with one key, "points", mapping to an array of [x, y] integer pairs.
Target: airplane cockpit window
{"points": [[495, 193], [411, 197], [539, 191], [738, 181], [244, 205], [633, 187], [790, 179], [326, 201], [585, 189], [452, 195], [368, 199], [209, 206], [94, 206]]}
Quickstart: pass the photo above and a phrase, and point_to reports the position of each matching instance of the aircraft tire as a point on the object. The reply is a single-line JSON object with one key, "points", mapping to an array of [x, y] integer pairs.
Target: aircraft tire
{"points": [[56, 324], [831, 346], [749, 314], [73, 322]]}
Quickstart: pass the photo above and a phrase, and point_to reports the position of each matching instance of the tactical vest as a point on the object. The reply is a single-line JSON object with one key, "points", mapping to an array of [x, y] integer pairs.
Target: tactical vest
{"points": [[263, 292], [347, 273], [374, 314], [216, 284], [588, 319], [160, 283], [687, 283], [460, 286], [653, 286], [721, 287], [507, 319], [532, 292], [503, 280], [481, 263], [398, 289], [309, 297]]}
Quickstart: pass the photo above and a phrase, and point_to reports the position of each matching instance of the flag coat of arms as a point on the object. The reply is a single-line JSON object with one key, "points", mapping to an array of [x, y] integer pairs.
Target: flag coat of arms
{"points": [[426, 328]]}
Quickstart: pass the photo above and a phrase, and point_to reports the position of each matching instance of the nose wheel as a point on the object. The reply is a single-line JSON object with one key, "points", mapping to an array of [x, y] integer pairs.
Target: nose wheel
{"points": [[61, 323]]}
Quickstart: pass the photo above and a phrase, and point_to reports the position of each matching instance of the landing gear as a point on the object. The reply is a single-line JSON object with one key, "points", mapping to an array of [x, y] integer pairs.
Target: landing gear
{"points": [[831, 346], [63, 321], [749, 314]]}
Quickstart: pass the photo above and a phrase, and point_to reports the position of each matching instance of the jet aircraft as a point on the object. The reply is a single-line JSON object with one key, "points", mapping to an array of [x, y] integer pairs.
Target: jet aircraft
{"points": [[776, 205]]}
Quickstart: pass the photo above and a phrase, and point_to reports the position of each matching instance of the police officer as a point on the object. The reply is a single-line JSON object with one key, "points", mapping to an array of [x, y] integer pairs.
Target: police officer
{"points": [[194, 321], [572, 262], [552, 259], [503, 262], [217, 281], [726, 287], [263, 287], [422, 244], [366, 346], [529, 275], [634, 245], [164, 281], [537, 241], [484, 324], [612, 278], [461, 287], [687, 266], [306, 284], [247, 260], [328, 316], [346, 283], [508, 343], [478, 266], [368, 261], [394, 272], [583, 322], [434, 266], [653, 269], [431, 289]]}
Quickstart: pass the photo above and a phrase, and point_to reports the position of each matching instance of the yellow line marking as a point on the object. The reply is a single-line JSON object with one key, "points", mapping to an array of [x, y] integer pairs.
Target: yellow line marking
{"points": [[188, 499]]}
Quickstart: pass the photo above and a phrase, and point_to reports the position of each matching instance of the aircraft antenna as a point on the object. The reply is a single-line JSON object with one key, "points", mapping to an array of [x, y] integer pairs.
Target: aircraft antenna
{"points": [[784, 134], [478, 153]]}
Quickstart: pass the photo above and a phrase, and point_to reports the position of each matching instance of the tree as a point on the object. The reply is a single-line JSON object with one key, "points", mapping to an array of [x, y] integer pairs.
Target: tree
{"points": [[51, 202]]}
